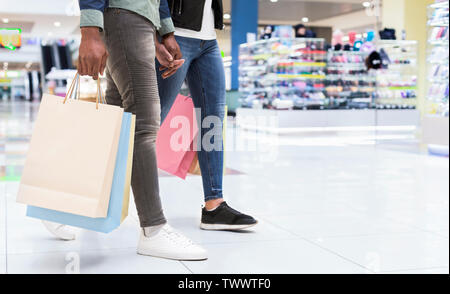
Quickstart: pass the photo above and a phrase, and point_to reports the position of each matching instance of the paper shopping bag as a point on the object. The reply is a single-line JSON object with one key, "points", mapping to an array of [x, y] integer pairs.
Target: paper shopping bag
{"points": [[194, 169], [71, 158], [118, 204], [174, 144], [126, 196]]}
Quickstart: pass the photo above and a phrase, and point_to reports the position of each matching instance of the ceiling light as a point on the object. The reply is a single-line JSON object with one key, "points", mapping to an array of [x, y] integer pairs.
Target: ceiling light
{"points": [[5, 20], [57, 24], [366, 4], [305, 19], [274, 1], [227, 16]]}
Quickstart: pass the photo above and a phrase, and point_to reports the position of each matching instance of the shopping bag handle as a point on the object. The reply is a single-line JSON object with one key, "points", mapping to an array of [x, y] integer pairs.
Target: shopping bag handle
{"points": [[100, 98]]}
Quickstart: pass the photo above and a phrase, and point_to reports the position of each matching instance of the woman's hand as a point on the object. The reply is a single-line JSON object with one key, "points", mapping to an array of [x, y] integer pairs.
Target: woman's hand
{"points": [[168, 72]]}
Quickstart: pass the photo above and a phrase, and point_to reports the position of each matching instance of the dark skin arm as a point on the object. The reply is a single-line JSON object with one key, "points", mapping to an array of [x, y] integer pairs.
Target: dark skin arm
{"points": [[93, 55]]}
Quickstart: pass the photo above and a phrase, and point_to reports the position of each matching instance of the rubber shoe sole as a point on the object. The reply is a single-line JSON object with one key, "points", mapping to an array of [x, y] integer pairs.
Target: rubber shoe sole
{"points": [[220, 227], [178, 258]]}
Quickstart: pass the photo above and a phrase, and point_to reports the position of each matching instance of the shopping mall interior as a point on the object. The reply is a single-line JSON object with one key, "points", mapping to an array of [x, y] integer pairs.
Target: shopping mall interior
{"points": [[337, 141]]}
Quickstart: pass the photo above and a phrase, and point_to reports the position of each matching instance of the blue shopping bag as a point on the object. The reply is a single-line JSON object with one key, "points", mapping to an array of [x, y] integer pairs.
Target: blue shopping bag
{"points": [[113, 220]]}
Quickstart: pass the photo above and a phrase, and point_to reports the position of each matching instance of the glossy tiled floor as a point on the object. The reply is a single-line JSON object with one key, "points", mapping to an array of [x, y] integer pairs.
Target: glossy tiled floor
{"points": [[337, 206]]}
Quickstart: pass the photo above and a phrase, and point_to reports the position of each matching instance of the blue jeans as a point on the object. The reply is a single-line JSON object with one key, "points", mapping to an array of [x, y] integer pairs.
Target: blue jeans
{"points": [[205, 77]]}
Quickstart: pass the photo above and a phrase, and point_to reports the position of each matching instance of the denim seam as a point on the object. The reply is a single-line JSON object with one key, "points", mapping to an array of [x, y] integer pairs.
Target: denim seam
{"points": [[130, 78]]}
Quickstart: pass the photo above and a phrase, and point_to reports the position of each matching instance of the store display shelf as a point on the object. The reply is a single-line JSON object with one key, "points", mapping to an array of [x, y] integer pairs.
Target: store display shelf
{"points": [[439, 42], [443, 4], [445, 61], [256, 57], [254, 90], [254, 68], [342, 81], [352, 88], [438, 69], [346, 65], [356, 76], [401, 66], [438, 24], [437, 99], [397, 81], [310, 64], [398, 43], [300, 77], [439, 80], [399, 88]]}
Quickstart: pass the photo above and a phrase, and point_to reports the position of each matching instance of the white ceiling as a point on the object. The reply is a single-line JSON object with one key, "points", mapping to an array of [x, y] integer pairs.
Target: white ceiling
{"points": [[290, 11], [41, 15]]}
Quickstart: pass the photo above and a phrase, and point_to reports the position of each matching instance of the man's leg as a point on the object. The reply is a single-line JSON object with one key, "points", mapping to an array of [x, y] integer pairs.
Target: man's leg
{"points": [[132, 74], [206, 80]]}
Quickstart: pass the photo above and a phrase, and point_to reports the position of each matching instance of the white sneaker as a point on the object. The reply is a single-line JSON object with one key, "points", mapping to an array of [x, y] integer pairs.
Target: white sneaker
{"points": [[170, 244], [60, 231]]}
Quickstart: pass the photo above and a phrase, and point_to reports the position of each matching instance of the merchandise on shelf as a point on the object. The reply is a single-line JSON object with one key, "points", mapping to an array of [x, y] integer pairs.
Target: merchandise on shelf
{"points": [[300, 74], [397, 79], [438, 58], [348, 83], [283, 74]]}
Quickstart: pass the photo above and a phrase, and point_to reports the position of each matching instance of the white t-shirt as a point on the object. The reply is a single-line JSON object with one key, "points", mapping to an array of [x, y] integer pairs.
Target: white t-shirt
{"points": [[207, 32]]}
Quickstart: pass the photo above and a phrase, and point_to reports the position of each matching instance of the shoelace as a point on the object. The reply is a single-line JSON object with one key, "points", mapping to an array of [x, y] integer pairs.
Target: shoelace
{"points": [[177, 238]]}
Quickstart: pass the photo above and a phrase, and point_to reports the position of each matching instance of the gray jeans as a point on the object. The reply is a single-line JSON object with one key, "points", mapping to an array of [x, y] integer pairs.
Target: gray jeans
{"points": [[132, 84]]}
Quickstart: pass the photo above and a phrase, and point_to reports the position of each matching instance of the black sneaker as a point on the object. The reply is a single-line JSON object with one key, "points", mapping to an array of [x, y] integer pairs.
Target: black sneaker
{"points": [[225, 218]]}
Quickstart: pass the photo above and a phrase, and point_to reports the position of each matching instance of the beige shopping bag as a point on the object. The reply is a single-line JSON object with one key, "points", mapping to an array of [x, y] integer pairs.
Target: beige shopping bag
{"points": [[71, 158], [126, 196]]}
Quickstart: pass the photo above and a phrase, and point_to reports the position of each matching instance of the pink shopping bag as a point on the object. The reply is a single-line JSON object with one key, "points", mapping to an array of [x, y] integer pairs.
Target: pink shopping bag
{"points": [[175, 141]]}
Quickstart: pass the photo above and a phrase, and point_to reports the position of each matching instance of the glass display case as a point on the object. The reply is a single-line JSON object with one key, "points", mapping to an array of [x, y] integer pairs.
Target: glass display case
{"points": [[397, 79], [283, 74], [302, 74], [348, 83]]}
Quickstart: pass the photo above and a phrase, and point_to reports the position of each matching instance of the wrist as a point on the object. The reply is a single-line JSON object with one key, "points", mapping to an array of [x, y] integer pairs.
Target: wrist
{"points": [[90, 32], [169, 35]]}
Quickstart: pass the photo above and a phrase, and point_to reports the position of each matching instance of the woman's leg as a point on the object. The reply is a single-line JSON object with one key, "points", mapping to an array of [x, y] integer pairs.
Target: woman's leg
{"points": [[206, 80]]}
